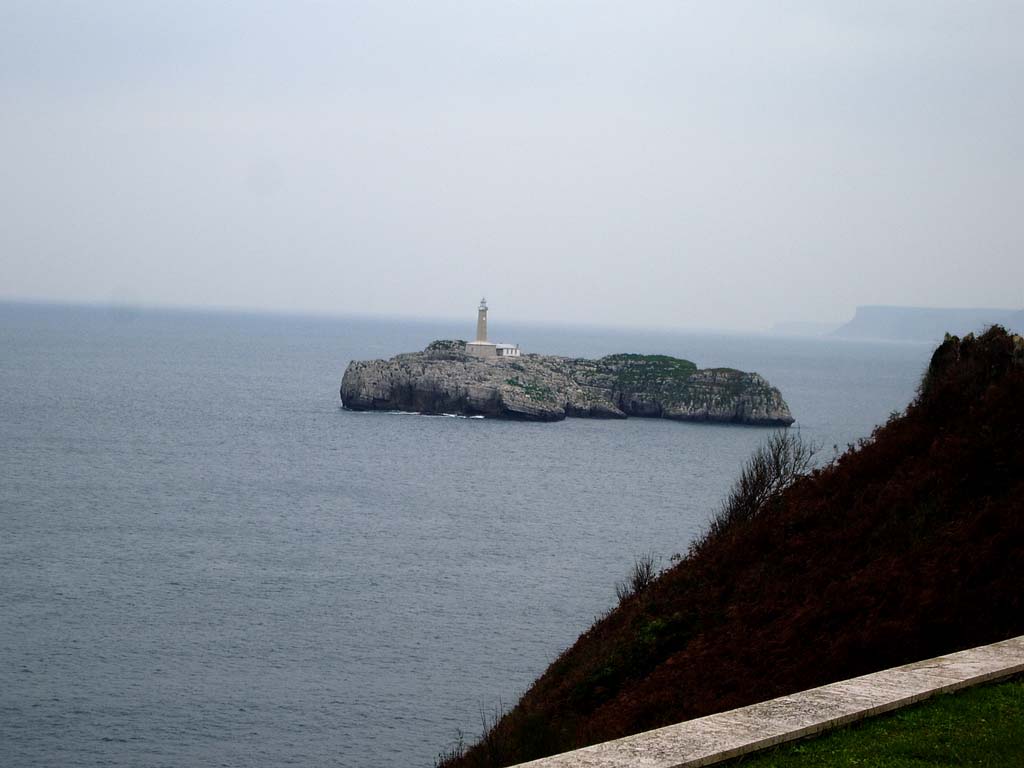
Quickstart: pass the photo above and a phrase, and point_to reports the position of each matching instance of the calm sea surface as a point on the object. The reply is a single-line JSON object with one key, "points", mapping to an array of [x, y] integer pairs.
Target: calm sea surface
{"points": [[205, 561]]}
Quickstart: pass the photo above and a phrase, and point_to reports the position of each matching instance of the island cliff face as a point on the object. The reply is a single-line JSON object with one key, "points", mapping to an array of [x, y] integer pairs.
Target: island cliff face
{"points": [[444, 379]]}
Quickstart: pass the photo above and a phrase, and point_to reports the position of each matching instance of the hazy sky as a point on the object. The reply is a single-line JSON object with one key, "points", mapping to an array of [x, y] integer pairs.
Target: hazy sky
{"points": [[699, 164]]}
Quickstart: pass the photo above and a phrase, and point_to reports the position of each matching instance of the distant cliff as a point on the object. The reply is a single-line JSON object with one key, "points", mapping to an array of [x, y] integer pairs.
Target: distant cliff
{"points": [[443, 379], [924, 323]]}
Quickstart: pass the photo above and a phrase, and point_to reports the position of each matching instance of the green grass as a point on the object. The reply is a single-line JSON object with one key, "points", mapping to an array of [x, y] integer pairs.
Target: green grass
{"points": [[446, 345], [981, 726], [650, 372], [533, 390]]}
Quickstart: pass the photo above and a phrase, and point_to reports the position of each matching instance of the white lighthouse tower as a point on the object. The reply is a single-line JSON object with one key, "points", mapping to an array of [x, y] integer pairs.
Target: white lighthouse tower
{"points": [[481, 321], [484, 348]]}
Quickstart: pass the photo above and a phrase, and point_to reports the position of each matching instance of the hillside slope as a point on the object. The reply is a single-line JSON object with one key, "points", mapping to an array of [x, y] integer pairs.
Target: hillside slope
{"points": [[908, 546]]}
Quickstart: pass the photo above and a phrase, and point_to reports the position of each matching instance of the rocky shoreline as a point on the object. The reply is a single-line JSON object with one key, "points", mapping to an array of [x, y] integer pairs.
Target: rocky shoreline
{"points": [[444, 379]]}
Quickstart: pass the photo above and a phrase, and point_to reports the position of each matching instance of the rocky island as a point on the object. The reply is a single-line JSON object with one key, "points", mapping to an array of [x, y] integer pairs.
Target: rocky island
{"points": [[444, 378]]}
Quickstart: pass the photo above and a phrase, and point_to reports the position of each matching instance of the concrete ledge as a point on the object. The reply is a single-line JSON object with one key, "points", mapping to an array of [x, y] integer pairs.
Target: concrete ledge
{"points": [[725, 735]]}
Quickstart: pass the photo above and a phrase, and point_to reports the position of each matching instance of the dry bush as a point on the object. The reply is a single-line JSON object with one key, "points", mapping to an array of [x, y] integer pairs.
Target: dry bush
{"points": [[775, 465], [644, 572]]}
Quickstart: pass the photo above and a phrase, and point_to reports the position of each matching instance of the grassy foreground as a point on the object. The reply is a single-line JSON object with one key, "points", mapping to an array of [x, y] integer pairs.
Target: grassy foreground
{"points": [[981, 726]]}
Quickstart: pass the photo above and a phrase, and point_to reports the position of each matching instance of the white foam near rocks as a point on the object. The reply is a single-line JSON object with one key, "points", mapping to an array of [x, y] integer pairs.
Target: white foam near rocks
{"points": [[718, 737]]}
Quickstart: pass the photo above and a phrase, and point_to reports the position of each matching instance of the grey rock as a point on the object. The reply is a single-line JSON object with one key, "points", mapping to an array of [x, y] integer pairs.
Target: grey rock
{"points": [[443, 379]]}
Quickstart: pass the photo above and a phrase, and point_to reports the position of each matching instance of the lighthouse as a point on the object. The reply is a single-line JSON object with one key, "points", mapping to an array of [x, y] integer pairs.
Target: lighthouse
{"points": [[484, 348], [481, 321]]}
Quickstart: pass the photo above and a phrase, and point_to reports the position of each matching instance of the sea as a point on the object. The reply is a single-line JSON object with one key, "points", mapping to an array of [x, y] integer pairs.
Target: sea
{"points": [[206, 561]]}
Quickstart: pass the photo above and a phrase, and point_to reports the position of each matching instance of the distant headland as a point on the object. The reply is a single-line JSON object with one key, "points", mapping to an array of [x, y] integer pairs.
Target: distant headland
{"points": [[913, 324], [498, 380], [925, 324]]}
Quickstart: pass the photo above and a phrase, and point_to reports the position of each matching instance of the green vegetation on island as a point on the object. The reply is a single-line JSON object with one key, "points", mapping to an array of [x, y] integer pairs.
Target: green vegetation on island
{"points": [[532, 390], [446, 345], [644, 372]]}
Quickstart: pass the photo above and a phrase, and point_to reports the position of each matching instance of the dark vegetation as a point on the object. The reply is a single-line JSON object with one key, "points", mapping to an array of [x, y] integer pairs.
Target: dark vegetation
{"points": [[446, 345], [532, 389], [909, 545], [777, 464], [645, 571], [641, 372]]}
